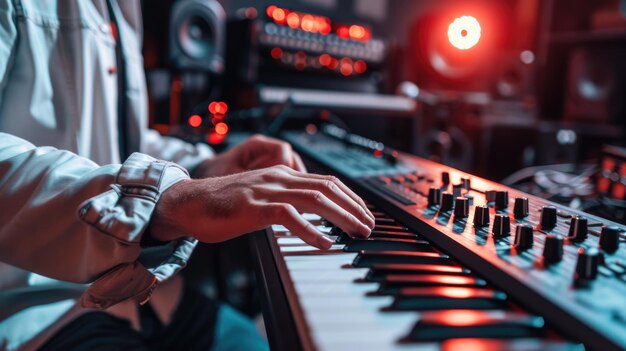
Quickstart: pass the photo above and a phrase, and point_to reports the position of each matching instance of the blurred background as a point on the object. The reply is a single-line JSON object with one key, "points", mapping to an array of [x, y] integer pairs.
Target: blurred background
{"points": [[526, 92]]}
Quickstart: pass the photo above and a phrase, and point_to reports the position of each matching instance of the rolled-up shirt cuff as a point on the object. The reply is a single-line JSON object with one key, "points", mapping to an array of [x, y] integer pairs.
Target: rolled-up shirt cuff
{"points": [[124, 213]]}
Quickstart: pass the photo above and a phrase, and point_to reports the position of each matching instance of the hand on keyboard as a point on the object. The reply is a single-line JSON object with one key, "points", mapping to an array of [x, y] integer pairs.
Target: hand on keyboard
{"points": [[218, 209]]}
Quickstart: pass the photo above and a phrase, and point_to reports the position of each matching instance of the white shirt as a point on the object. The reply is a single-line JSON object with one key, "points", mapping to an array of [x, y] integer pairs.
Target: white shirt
{"points": [[63, 215]]}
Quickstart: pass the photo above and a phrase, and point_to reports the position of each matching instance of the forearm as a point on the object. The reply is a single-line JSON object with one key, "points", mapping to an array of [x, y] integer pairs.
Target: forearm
{"points": [[65, 217]]}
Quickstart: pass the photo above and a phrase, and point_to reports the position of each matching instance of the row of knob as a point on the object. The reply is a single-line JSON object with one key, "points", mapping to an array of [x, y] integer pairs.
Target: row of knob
{"points": [[578, 230], [588, 258]]}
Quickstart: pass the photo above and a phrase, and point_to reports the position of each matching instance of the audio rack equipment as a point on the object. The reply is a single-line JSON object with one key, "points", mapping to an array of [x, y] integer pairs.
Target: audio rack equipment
{"points": [[454, 262]]}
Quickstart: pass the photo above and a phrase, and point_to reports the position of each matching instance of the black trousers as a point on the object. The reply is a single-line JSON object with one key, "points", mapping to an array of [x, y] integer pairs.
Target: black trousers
{"points": [[191, 328]]}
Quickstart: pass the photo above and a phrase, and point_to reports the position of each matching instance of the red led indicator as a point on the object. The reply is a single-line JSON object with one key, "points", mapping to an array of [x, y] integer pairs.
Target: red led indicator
{"points": [[276, 53], [195, 121]]}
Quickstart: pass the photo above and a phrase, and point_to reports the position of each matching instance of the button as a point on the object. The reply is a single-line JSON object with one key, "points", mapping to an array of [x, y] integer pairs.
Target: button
{"points": [[587, 266], [548, 217], [523, 237], [461, 207], [520, 207], [609, 239], [553, 249], [481, 216], [434, 196], [447, 202], [578, 229], [502, 200], [501, 225]]}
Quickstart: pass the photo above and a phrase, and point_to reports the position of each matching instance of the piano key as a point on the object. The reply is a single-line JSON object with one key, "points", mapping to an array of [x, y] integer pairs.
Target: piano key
{"points": [[443, 325], [370, 258], [378, 272], [380, 244], [526, 344], [390, 227], [392, 284], [345, 238], [385, 221], [442, 298]]}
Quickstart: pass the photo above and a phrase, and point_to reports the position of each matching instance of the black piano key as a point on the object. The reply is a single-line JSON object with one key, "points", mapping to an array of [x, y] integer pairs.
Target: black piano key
{"points": [[344, 238], [446, 298], [390, 227], [383, 244], [378, 272], [525, 344], [385, 221], [391, 284], [370, 258], [444, 325]]}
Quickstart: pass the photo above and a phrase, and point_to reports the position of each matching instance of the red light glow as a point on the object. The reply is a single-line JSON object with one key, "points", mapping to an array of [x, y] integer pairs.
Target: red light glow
{"points": [[293, 20], [195, 121], [460, 318], [343, 32], [270, 11], [214, 138], [360, 66], [276, 53], [357, 32], [334, 63], [221, 128], [464, 32], [346, 66], [308, 23], [218, 108], [325, 59], [279, 15]]}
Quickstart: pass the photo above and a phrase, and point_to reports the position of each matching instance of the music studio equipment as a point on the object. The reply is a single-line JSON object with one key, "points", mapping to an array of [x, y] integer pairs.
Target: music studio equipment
{"points": [[197, 35], [455, 262], [284, 47]]}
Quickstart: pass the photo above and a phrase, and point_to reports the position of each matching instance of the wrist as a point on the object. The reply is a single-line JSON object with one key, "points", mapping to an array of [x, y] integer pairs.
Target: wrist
{"points": [[164, 224]]}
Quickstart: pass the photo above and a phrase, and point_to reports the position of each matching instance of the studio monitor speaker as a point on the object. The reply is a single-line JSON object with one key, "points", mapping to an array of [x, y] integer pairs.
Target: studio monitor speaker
{"points": [[595, 85], [197, 35]]}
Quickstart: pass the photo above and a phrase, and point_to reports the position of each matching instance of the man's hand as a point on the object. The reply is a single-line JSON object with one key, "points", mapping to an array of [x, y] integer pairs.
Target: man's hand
{"points": [[255, 153], [221, 208]]}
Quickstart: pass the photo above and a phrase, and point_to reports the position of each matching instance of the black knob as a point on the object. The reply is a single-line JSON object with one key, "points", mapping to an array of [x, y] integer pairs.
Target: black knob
{"points": [[457, 189], [609, 239], [434, 196], [461, 207], [587, 265], [520, 208], [481, 216], [553, 249], [445, 178], [466, 183], [578, 229], [523, 236], [548, 217], [502, 200], [447, 201], [501, 225]]}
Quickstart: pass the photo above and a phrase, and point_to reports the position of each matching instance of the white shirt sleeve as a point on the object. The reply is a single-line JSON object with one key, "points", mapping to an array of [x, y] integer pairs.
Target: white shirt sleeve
{"points": [[65, 217]]}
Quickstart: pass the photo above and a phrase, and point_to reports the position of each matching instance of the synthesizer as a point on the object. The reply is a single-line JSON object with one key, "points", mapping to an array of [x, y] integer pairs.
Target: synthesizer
{"points": [[455, 262]]}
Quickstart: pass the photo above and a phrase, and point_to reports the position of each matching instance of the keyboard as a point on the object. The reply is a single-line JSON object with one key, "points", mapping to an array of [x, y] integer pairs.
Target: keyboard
{"points": [[455, 262]]}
